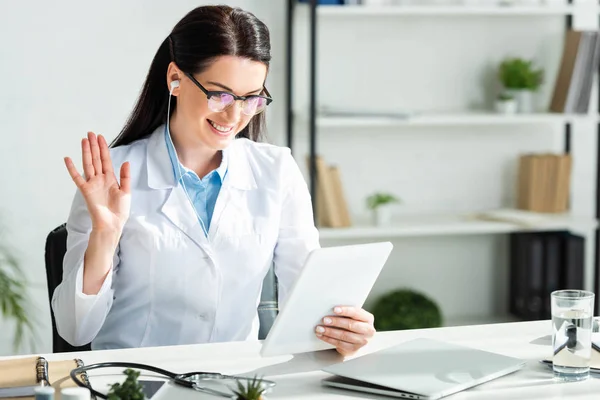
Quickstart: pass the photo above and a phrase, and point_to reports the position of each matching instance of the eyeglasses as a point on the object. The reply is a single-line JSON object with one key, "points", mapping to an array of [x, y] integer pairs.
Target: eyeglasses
{"points": [[219, 101]]}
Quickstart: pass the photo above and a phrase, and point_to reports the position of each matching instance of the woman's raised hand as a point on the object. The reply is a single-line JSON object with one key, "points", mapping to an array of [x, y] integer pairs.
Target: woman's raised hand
{"points": [[108, 201]]}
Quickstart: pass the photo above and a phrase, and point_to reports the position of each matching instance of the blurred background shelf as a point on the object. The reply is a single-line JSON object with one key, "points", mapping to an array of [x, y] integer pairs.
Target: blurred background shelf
{"points": [[454, 10], [462, 224], [448, 119]]}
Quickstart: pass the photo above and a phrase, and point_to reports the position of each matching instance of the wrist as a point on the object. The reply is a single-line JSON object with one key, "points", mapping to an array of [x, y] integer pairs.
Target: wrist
{"points": [[105, 237]]}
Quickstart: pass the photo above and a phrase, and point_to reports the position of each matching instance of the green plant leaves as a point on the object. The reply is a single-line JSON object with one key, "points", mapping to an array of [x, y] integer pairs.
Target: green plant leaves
{"points": [[252, 391], [518, 73], [130, 389], [377, 199], [406, 309], [13, 297]]}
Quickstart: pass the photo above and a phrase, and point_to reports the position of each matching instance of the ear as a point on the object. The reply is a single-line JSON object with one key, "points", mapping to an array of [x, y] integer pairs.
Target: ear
{"points": [[173, 74]]}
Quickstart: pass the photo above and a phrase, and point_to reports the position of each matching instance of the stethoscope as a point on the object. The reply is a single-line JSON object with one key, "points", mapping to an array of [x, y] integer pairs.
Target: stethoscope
{"points": [[190, 380]]}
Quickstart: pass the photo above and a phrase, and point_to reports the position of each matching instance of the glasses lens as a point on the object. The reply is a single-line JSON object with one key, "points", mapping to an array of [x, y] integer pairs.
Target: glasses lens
{"points": [[254, 105], [220, 102]]}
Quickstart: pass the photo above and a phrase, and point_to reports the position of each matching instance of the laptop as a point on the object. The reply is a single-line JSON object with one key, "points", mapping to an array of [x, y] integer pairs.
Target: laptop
{"points": [[422, 369]]}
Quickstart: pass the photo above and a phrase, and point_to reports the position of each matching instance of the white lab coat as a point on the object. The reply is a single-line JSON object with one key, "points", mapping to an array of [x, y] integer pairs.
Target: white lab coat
{"points": [[170, 284]]}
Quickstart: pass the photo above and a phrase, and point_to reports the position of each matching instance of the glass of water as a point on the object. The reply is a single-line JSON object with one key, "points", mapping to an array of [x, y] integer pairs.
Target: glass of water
{"points": [[572, 317]]}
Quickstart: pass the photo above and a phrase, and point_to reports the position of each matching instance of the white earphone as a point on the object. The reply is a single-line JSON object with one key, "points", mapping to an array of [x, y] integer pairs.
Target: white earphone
{"points": [[174, 84]]}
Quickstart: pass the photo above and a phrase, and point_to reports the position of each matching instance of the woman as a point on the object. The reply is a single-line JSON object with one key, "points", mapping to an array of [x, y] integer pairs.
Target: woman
{"points": [[175, 251]]}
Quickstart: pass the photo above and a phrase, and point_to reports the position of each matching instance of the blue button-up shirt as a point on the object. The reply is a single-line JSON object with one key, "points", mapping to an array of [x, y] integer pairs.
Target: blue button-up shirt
{"points": [[203, 192]]}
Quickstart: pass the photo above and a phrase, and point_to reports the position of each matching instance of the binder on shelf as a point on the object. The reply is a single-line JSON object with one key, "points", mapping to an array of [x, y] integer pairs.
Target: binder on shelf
{"points": [[580, 60], [540, 263], [21, 376]]}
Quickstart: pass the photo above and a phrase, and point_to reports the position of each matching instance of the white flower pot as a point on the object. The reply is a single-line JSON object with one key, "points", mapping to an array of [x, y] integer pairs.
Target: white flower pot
{"points": [[506, 106], [382, 215], [524, 100]]}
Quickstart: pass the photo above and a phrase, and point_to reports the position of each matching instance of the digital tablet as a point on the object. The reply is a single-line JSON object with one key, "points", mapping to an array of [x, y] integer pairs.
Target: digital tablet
{"points": [[331, 276]]}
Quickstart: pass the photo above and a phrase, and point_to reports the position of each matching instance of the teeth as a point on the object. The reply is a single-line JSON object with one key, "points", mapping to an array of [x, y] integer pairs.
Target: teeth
{"points": [[219, 127]]}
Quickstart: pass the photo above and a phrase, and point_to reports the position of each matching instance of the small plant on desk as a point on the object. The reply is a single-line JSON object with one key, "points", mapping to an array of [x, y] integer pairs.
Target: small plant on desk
{"points": [[252, 391], [379, 204], [130, 389]]}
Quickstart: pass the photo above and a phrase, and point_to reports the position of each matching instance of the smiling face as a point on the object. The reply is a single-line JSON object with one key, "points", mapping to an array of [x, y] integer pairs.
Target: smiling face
{"points": [[236, 75]]}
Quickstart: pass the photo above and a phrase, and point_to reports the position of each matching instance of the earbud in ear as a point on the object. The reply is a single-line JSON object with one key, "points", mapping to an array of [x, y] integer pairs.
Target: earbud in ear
{"points": [[174, 84]]}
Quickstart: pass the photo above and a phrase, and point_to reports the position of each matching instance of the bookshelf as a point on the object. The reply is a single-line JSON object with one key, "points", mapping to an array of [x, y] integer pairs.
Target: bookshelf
{"points": [[449, 119], [458, 224], [442, 127]]}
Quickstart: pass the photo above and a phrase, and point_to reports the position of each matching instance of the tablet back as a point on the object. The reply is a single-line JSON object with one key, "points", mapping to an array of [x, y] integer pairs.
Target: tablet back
{"points": [[332, 276]]}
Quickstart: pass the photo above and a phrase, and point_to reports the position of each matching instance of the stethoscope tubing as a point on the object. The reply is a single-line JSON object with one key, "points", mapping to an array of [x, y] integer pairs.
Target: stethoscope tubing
{"points": [[179, 379]]}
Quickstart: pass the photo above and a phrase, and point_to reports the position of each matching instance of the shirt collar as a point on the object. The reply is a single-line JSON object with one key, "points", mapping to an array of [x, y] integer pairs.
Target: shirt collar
{"points": [[179, 169]]}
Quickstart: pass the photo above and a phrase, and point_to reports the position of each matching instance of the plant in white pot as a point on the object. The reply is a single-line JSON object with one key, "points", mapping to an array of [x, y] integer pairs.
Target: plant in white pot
{"points": [[381, 205], [506, 103], [521, 79]]}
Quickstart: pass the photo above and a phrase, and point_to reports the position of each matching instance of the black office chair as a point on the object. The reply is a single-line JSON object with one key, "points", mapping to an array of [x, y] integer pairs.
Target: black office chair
{"points": [[56, 246]]}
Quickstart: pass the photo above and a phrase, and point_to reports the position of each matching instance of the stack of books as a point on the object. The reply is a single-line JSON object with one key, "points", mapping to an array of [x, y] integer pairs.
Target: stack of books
{"points": [[332, 208], [544, 182], [573, 87]]}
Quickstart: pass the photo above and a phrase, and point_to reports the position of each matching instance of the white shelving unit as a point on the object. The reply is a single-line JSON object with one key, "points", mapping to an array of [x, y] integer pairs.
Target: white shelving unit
{"points": [[432, 263], [454, 10], [448, 119], [458, 224]]}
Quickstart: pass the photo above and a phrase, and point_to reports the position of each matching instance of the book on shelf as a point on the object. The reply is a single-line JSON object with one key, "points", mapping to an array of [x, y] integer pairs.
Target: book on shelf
{"points": [[541, 263], [579, 63], [19, 377], [543, 183], [332, 207]]}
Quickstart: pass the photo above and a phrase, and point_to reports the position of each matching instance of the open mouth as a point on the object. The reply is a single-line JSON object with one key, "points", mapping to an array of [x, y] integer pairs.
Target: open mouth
{"points": [[220, 129]]}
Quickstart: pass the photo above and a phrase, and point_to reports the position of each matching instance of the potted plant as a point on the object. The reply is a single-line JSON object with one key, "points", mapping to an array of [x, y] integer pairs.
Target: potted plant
{"points": [[506, 103], [130, 389], [254, 390], [521, 78], [14, 304], [406, 309], [380, 205]]}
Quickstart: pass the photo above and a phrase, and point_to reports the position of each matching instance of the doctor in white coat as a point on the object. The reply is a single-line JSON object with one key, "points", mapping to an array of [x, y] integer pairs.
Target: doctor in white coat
{"points": [[175, 250]]}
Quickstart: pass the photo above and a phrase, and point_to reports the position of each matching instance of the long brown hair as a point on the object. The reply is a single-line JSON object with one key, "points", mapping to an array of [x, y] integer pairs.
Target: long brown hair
{"points": [[202, 35]]}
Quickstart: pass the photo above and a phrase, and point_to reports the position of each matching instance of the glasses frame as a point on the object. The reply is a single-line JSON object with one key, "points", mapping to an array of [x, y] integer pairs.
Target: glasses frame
{"points": [[211, 93]]}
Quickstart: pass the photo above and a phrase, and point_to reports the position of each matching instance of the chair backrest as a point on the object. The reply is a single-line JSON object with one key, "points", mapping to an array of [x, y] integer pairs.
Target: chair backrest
{"points": [[56, 247]]}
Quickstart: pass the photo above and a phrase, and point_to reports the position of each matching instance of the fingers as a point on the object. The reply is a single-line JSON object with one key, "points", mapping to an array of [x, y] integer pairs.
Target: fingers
{"points": [[107, 167], [354, 313], [86, 155], [342, 335], [96, 162], [363, 328], [77, 178], [125, 177], [343, 347]]}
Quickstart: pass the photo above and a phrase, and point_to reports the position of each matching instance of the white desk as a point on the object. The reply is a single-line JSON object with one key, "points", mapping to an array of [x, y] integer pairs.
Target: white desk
{"points": [[300, 378]]}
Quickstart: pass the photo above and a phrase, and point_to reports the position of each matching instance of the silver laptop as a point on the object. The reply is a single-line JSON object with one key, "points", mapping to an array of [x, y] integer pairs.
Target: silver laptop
{"points": [[420, 369]]}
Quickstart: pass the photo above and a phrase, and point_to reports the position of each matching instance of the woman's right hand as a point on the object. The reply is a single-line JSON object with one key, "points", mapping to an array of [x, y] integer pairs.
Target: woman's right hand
{"points": [[108, 202]]}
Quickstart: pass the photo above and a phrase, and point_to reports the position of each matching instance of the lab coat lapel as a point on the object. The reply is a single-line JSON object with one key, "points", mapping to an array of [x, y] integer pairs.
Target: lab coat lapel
{"points": [[180, 212], [237, 182], [177, 208]]}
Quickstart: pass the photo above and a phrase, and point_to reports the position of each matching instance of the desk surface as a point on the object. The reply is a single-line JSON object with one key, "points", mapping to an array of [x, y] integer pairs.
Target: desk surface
{"points": [[299, 377]]}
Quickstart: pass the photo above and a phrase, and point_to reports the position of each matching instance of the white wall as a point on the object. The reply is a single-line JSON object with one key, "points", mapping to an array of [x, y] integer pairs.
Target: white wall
{"points": [[70, 67]]}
